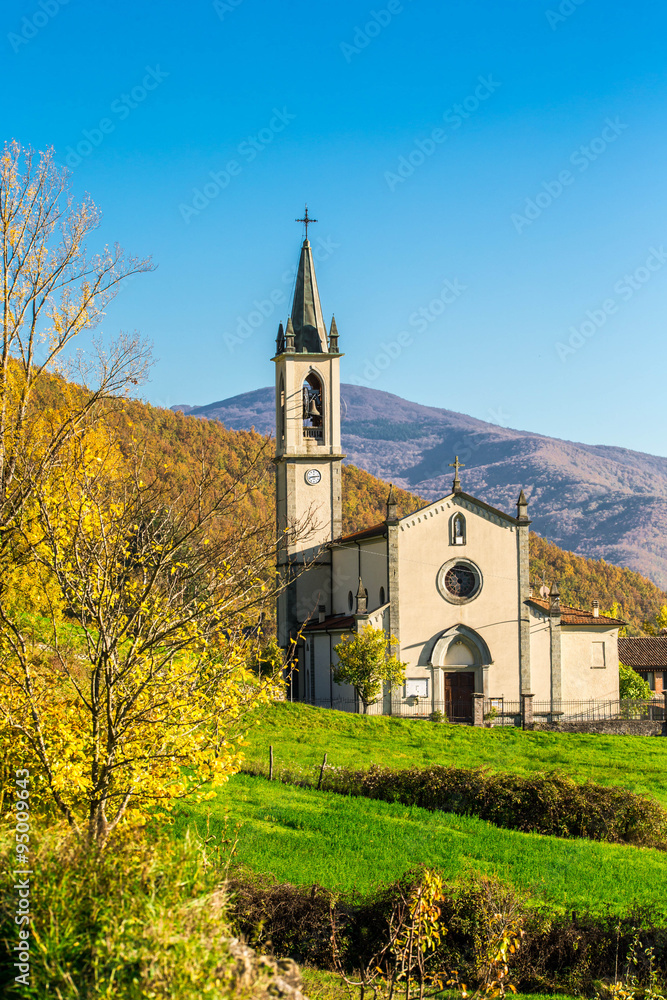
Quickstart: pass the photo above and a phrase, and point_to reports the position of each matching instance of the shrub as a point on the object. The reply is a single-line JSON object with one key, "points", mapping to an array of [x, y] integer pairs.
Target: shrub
{"points": [[559, 951], [543, 803], [631, 684]]}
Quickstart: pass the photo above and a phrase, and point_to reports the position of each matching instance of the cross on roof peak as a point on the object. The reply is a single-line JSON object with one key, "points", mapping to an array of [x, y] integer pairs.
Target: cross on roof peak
{"points": [[456, 465], [306, 220]]}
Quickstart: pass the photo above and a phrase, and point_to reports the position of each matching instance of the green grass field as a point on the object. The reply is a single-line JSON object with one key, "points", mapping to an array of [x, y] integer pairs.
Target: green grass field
{"points": [[300, 736], [304, 836]]}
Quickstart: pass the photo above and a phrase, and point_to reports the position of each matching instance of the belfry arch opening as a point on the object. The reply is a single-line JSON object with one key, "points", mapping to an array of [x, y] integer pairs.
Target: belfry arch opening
{"points": [[313, 407]]}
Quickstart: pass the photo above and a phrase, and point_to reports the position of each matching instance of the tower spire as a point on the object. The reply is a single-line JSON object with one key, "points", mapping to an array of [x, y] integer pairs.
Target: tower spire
{"points": [[310, 333]]}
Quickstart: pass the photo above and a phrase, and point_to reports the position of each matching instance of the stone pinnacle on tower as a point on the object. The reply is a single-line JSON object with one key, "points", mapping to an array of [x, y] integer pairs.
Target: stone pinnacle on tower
{"points": [[333, 337], [392, 503], [361, 598]]}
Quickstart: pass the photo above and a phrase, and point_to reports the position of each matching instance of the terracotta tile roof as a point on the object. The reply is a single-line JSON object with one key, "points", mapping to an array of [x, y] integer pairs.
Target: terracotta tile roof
{"points": [[643, 651], [357, 536], [577, 616], [334, 623]]}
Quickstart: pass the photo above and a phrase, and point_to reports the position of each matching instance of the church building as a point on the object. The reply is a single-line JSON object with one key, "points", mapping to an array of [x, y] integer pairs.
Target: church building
{"points": [[450, 581]]}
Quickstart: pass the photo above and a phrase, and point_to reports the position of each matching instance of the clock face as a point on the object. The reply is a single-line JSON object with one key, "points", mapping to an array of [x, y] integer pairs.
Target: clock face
{"points": [[313, 477]]}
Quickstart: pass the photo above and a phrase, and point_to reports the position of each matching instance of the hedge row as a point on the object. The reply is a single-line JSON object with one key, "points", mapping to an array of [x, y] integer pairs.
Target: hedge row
{"points": [[571, 952], [544, 803]]}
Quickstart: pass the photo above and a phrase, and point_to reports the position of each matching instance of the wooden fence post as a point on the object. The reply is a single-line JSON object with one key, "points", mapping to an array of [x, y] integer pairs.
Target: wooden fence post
{"points": [[324, 762], [270, 763]]}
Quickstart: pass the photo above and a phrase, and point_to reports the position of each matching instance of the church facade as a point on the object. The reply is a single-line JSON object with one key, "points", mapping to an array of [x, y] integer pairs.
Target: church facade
{"points": [[450, 581]]}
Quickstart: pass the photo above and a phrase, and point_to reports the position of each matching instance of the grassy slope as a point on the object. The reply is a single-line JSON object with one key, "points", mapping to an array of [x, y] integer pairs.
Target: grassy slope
{"points": [[300, 735], [303, 836]]}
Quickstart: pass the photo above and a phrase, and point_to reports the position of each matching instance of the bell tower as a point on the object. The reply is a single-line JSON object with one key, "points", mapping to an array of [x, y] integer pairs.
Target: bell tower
{"points": [[308, 452]]}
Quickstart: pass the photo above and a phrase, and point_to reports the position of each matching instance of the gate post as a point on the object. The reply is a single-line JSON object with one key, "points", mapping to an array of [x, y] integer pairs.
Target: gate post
{"points": [[527, 711], [478, 709]]}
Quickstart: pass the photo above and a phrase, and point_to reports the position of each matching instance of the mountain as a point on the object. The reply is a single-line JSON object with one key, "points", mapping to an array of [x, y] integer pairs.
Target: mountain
{"points": [[599, 501]]}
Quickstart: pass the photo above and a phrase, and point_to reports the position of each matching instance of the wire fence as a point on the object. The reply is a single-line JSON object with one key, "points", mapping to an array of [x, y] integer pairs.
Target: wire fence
{"points": [[504, 712]]}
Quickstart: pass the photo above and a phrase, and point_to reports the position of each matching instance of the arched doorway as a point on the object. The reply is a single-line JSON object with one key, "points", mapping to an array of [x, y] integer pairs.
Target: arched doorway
{"points": [[460, 661], [461, 656]]}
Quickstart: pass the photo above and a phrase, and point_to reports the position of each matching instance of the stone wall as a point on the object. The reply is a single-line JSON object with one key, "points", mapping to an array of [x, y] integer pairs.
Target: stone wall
{"points": [[606, 727]]}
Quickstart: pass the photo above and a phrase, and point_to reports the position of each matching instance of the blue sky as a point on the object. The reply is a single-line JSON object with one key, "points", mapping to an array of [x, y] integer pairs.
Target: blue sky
{"points": [[488, 179]]}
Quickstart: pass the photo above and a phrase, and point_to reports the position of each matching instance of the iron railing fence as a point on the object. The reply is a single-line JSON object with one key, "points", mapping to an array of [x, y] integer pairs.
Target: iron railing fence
{"points": [[504, 712], [639, 709]]}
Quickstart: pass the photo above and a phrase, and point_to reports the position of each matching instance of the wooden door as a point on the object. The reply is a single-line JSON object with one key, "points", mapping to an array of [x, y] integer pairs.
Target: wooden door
{"points": [[459, 689]]}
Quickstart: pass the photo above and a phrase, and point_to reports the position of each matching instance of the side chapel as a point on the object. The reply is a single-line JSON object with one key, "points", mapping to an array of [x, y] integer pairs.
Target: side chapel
{"points": [[450, 581]]}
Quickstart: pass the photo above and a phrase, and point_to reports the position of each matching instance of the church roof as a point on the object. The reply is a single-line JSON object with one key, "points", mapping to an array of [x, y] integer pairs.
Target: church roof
{"points": [[357, 536], [380, 529], [643, 651], [460, 495], [310, 334], [577, 616], [334, 623]]}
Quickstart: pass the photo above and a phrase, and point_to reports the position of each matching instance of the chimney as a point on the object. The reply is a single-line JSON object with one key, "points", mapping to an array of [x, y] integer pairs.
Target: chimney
{"points": [[554, 599], [596, 609], [321, 612]]}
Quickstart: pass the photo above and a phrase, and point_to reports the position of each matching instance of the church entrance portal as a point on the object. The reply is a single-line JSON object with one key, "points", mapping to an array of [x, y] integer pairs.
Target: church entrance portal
{"points": [[459, 689]]}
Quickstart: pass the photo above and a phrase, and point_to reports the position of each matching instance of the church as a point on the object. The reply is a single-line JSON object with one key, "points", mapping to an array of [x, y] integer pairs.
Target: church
{"points": [[450, 581]]}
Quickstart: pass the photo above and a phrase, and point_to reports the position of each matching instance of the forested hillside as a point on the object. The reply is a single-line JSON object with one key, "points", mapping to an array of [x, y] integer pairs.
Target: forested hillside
{"points": [[174, 445], [602, 502], [177, 443]]}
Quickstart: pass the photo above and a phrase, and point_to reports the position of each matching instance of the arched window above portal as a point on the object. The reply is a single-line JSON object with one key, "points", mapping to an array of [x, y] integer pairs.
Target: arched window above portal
{"points": [[313, 407]]}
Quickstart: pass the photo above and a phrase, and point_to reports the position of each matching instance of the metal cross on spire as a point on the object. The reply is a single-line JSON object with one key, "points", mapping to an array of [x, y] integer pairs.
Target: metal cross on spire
{"points": [[456, 465], [306, 220]]}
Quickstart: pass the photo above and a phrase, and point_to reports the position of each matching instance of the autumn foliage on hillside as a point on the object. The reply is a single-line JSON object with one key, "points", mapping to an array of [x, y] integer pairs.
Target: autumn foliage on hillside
{"points": [[178, 441], [583, 580], [365, 499], [175, 445]]}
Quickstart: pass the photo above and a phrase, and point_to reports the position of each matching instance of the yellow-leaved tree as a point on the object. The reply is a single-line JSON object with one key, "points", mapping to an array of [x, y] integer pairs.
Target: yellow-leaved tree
{"points": [[132, 688], [129, 601], [53, 289], [365, 661]]}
